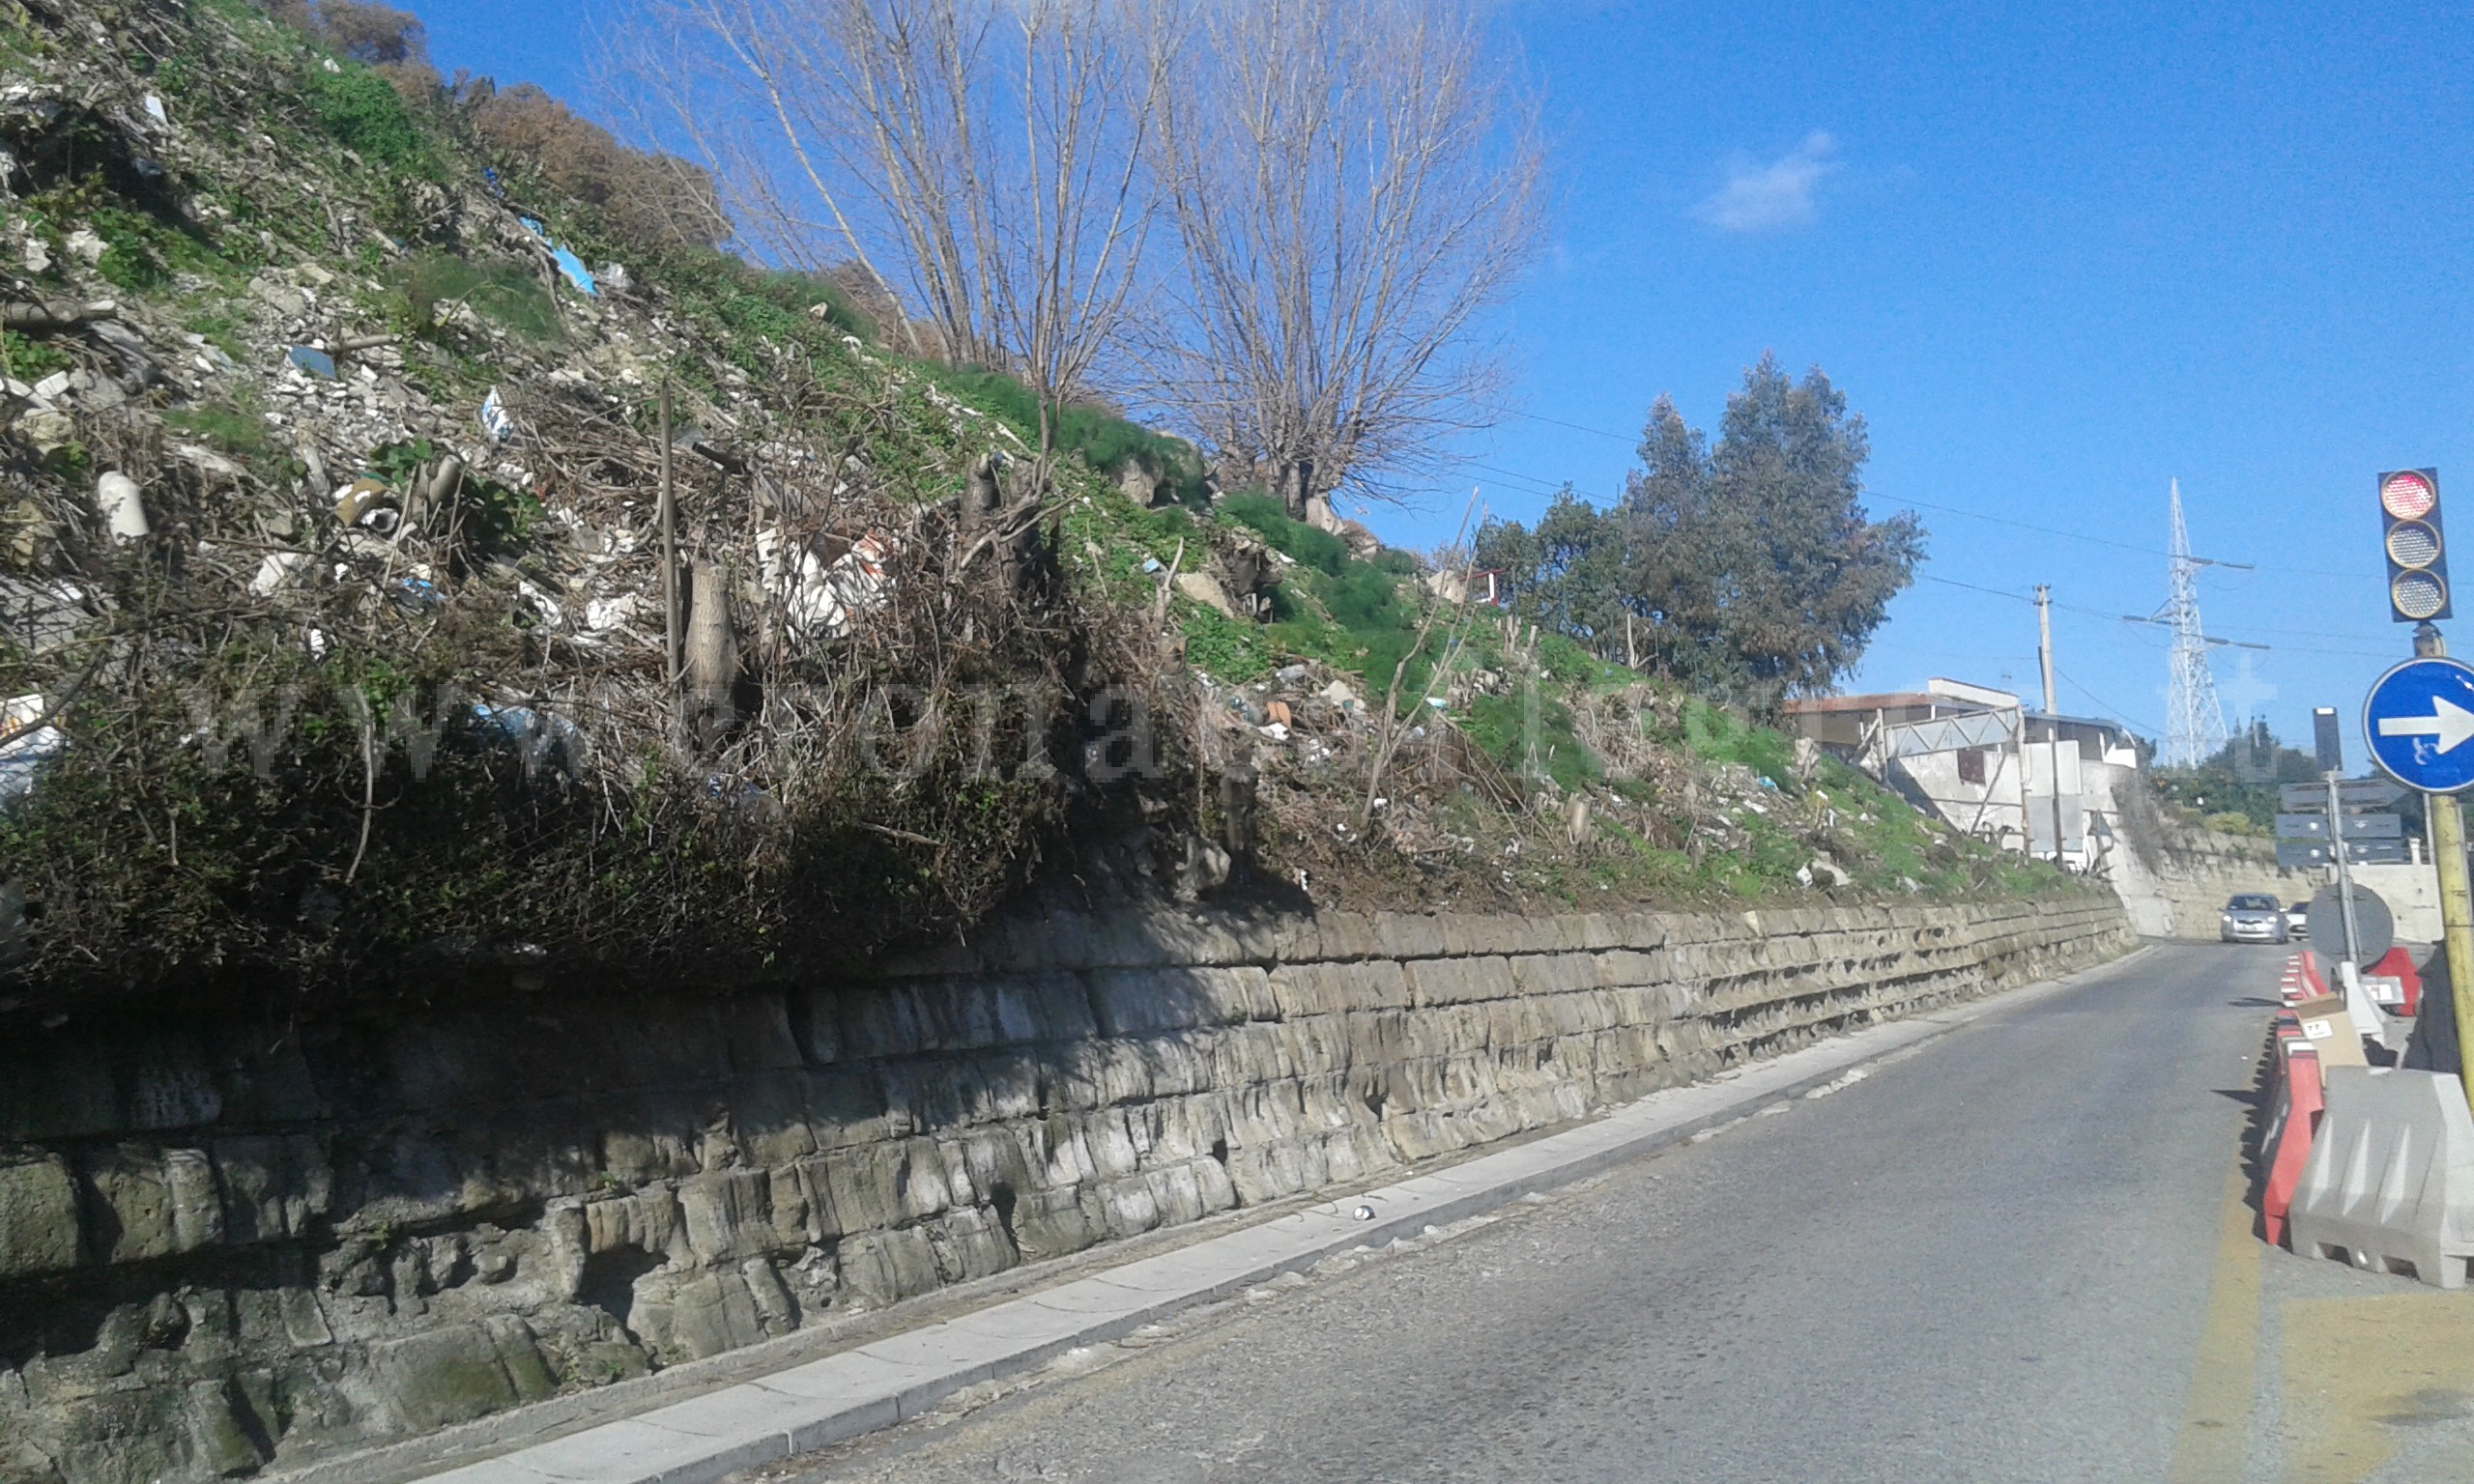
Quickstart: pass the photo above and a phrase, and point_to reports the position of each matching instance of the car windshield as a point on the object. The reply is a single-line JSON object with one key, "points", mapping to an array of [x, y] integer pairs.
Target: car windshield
{"points": [[2253, 904]]}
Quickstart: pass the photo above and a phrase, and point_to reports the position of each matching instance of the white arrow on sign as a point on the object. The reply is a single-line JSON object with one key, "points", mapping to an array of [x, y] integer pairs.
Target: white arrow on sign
{"points": [[2449, 722]]}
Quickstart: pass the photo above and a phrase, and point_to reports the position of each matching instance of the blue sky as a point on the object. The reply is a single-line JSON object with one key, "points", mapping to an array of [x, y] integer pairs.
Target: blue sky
{"points": [[2055, 255]]}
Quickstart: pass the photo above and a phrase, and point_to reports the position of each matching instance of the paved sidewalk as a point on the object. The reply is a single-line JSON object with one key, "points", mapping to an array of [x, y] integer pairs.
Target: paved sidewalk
{"points": [[876, 1384]]}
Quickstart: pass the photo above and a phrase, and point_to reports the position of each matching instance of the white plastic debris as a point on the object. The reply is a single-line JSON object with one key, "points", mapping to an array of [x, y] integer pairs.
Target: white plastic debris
{"points": [[494, 422], [155, 109], [85, 246], [276, 570], [602, 614], [826, 593], [540, 601], [118, 502]]}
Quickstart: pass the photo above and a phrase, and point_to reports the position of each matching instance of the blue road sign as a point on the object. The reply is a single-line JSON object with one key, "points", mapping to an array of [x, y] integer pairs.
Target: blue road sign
{"points": [[2419, 720]]}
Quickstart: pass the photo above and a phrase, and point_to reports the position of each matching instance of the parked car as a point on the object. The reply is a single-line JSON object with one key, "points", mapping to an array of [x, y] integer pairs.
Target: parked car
{"points": [[2297, 920], [2251, 917]]}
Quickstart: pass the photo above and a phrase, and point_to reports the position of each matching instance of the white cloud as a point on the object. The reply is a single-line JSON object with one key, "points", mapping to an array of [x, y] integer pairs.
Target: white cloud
{"points": [[1772, 197]]}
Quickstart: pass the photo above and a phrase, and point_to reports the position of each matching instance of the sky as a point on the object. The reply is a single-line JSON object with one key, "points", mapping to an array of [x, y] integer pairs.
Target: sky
{"points": [[2056, 257]]}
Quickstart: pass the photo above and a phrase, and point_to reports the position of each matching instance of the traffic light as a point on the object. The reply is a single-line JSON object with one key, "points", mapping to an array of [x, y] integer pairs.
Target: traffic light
{"points": [[2417, 555]]}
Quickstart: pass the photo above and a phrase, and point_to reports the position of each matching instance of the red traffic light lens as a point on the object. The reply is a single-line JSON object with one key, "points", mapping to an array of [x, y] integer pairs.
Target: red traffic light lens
{"points": [[2408, 494]]}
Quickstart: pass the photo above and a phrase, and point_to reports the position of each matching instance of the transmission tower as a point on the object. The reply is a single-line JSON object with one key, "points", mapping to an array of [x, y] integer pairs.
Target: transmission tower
{"points": [[2195, 723]]}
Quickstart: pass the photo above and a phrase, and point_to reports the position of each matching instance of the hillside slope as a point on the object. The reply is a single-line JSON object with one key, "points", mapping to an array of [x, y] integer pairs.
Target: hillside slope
{"points": [[341, 654]]}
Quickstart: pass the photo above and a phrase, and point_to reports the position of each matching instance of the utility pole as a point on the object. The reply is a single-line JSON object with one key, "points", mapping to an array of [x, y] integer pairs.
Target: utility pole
{"points": [[669, 518], [2447, 826], [2044, 641], [2053, 723]]}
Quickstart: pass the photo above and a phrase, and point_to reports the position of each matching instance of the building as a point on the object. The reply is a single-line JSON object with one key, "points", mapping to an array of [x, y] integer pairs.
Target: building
{"points": [[1985, 765]]}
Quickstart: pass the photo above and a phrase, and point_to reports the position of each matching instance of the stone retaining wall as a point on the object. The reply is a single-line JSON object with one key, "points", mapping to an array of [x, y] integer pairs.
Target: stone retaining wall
{"points": [[2200, 870], [223, 1246]]}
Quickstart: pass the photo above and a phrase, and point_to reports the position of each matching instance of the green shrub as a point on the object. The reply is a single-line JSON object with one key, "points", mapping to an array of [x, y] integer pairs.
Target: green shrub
{"points": [[363, 112], [1101, 439], [1317, 549], [30, 361], [2231, 823], [507, 293]]}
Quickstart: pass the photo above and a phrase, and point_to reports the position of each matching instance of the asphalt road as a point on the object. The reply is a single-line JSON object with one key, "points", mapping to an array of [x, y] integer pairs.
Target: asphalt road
{"points": [[1992, 1258]]}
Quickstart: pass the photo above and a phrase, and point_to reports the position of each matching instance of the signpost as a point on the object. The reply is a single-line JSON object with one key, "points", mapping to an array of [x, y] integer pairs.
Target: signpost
{"points": [[2372, 934], [2420, 716], [2314, 854], [2353, 793], [2358, 827]]}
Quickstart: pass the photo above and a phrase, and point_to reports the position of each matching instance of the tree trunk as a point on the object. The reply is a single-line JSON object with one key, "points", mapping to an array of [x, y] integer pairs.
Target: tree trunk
{"points": [[1295, 479], [979, 497], [1237, 812], [713, 655]]}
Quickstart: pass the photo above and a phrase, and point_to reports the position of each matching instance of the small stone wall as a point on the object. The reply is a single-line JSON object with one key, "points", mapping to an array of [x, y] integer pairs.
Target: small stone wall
{"points": [[224, 1247]]}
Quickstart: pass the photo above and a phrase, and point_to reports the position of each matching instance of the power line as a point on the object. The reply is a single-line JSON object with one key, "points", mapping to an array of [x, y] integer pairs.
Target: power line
{"points": [[2107, 707]]}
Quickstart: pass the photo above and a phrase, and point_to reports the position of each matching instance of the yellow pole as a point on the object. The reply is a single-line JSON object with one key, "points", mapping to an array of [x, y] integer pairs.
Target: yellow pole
{"points": [[2456, 919], [2456, 902]]}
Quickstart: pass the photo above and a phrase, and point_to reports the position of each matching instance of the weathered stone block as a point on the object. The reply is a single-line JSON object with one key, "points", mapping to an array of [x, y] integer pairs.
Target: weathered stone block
{"points": [[1051, 1222], [520, 1354], [39, 1226], [1459, 981], [1554, 973], [645, 1220], [687, 1316], [152, 1202], [970, 1242], [275, 1185], [1408, 935], [441, 1377], [1140, 1002], [1044, 1007], [756, 1032], [727, 1215], [1328, 988], [882, 1267], [223, 1440]]}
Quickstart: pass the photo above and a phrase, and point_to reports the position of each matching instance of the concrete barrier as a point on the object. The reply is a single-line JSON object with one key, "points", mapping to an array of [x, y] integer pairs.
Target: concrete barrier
{"points": [[2389, 1183], [2287, 1147]]}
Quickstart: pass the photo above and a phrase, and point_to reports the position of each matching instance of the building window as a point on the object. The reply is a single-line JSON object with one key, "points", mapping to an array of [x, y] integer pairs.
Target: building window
{"points": [[1971, 766]]}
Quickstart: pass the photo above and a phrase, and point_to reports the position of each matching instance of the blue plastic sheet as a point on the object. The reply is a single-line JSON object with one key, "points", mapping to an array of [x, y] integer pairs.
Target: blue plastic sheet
{"points": [[568, 262]]}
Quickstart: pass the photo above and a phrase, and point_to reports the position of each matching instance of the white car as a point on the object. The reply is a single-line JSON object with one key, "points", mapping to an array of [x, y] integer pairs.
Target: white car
{"points": [[2251, 917]]}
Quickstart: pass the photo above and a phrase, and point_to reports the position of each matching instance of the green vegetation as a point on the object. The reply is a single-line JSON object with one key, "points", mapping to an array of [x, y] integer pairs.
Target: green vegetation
{"points": [[2240, 786], [505, 292], [30, 361], [1106, 441], [302, 788], [233, 428], [1750, 567], [361, 110]]}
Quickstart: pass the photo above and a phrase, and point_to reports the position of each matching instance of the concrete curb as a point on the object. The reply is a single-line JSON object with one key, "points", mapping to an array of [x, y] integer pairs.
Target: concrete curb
{"points": [[896, 1378]]}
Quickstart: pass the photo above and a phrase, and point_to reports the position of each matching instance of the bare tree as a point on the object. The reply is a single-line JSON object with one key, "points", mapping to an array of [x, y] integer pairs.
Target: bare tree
{"points": [[1354, 182], [990, 151]]}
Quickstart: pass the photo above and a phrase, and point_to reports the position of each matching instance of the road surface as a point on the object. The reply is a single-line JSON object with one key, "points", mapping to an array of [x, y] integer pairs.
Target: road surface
{"points": [[2017, 1253]]}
